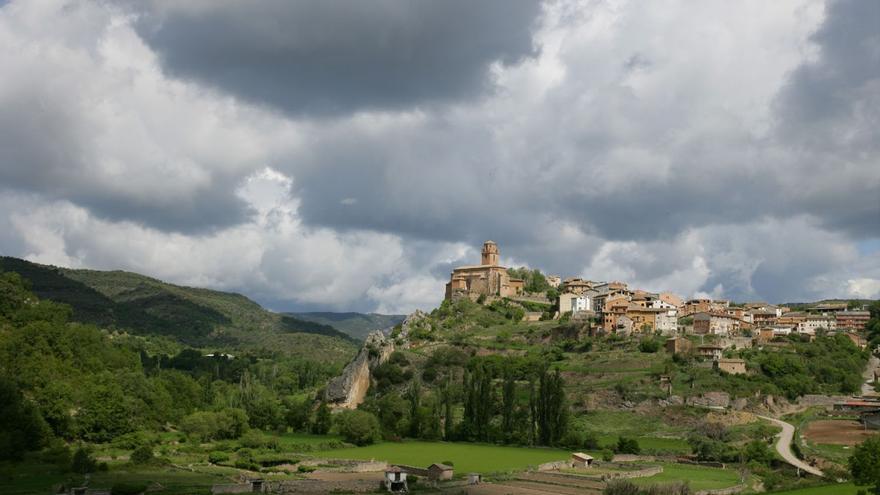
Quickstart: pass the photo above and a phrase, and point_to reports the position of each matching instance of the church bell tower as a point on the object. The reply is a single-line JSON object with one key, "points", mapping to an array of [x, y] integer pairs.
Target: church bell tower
{"points": [[490, 253]]}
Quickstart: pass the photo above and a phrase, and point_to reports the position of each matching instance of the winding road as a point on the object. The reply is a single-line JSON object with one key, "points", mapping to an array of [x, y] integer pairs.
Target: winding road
{"points": [[783, 446]]}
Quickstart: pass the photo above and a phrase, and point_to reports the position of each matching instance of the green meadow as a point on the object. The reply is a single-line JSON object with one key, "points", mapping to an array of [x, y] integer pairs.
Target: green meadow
{"points": [[699, 477], [466, 457]]}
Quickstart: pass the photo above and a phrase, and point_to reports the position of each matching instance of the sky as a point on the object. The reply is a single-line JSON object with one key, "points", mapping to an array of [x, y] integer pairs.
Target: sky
{"points": [[346, 155]]}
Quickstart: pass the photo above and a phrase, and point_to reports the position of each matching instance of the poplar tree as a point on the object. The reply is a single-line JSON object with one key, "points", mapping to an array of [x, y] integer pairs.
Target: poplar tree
{"points": [[508, 398], [415, 393]]}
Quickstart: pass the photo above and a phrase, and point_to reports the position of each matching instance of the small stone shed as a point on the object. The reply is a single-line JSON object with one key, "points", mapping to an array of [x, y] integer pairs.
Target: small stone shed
{"points": [[579, 459], [395, 480], [440, 472]]}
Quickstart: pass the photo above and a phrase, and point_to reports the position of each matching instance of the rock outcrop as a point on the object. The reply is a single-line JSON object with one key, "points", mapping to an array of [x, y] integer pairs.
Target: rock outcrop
{"points": [[348, 390], [411, 322], [710, 399]]}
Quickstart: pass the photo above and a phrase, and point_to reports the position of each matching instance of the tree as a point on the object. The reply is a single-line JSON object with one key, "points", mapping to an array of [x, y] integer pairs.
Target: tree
{"points": [[83, 462], [626, 445], [142, 455], [297, 413], [864, 464], [758, 452], [105, 414], [323, 420], [22, 429], [357, 427], [448, 418], [415, 397], [552, 409], [508, 403]]}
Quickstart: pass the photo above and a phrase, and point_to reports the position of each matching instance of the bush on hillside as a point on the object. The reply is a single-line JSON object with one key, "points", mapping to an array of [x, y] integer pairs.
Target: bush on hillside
{"points": [[649, 345], [83, 462], [626, 445], [357, 427], [142, 455]]}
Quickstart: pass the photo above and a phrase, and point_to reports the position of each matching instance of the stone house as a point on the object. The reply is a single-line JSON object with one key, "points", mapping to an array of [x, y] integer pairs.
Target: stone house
{"points": [[623, 326], [711, 351], [854, 320], [666, 322], [678, 345], [440, 472], [574, 303], [717, 324], [731, 366], [812, 323], [581, 460]]}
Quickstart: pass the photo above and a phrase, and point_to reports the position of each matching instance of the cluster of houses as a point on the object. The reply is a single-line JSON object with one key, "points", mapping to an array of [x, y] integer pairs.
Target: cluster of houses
{"points": [[623, 311], [617, 309]]}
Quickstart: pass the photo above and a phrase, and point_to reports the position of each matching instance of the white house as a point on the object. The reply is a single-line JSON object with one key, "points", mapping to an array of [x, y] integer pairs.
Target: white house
{"points": [[814, 322], [574, 303], [666, 322]]}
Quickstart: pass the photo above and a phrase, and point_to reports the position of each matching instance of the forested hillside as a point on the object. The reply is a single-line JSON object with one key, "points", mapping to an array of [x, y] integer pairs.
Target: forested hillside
{"points": [[193, 316], [356, 325], [62, 380]]}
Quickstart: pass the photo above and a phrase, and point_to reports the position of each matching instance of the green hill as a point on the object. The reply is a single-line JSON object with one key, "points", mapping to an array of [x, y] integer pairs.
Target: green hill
{"points": [[356, 325], [193, 316]]}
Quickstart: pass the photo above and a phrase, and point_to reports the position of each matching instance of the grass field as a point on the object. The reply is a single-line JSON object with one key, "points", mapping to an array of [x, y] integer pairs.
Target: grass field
{"points": [[842, 489], [29, 478], [699, 477], [653, 435], [466, 457]]}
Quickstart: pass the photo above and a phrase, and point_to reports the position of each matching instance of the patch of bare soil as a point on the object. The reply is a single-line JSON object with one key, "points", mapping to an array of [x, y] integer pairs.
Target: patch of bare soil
{"points": [[731, 418], [499, 489], [338, 476], [836, 432], [563, 480]]}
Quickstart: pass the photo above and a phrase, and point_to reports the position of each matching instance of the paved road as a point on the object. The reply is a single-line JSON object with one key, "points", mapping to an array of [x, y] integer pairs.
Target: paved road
{"points": [[868, 385], [783, 446]]}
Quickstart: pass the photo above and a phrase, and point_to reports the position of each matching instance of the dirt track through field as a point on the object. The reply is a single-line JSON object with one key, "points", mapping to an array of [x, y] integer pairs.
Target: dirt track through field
{"points": [[562, 480], [836, 432]]}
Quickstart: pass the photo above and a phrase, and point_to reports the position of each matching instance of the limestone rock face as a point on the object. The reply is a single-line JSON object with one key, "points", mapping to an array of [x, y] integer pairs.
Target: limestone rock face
{"points": [[348, 390], [410, 322]]}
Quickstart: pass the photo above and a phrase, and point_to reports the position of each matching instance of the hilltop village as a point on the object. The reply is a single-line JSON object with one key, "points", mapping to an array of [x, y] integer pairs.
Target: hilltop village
{"points": [[616, 309]]}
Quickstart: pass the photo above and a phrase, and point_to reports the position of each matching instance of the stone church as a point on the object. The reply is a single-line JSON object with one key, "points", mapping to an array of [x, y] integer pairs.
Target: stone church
{"points": [[486, 279]]}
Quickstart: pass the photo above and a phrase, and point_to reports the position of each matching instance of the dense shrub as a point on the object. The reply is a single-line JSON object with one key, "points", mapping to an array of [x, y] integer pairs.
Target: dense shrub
{"points": [[142, 455], [626, 445], [650, 345], [83, 462], [208, 425], [217, 457], [357, 427]]}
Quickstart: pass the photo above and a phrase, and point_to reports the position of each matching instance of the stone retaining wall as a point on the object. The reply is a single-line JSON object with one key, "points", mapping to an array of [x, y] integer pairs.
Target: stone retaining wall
{"points": [[723, 491], [641, 473], [554, 466]]}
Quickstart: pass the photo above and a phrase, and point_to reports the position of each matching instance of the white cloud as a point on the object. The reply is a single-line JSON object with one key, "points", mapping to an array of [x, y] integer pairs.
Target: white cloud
{"points": [[644, 143]]}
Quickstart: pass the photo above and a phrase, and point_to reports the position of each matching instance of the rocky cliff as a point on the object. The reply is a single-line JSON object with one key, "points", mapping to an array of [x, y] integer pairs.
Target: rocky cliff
{"points": [[348, 390]]}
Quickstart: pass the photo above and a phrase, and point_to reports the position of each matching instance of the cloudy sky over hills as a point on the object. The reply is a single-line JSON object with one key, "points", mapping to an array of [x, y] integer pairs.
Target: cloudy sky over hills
{"points": [[346, 155]]}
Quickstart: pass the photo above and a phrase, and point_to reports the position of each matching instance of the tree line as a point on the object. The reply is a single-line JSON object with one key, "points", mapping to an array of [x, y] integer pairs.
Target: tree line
{"points": [[67, 381]]}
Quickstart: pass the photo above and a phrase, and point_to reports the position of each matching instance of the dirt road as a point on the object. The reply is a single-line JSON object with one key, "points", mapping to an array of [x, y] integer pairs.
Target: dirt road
{"points": [[783, 446]]}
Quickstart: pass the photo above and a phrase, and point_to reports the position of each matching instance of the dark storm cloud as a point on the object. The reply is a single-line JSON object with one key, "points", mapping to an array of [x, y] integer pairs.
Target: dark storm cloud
{"points": [[829, 114], [320, 57], [48, 150]]}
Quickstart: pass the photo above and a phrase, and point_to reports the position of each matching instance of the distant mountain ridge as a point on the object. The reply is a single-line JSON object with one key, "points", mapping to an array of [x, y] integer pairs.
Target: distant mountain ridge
{"points": [[356, 325], [193, 316]]}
